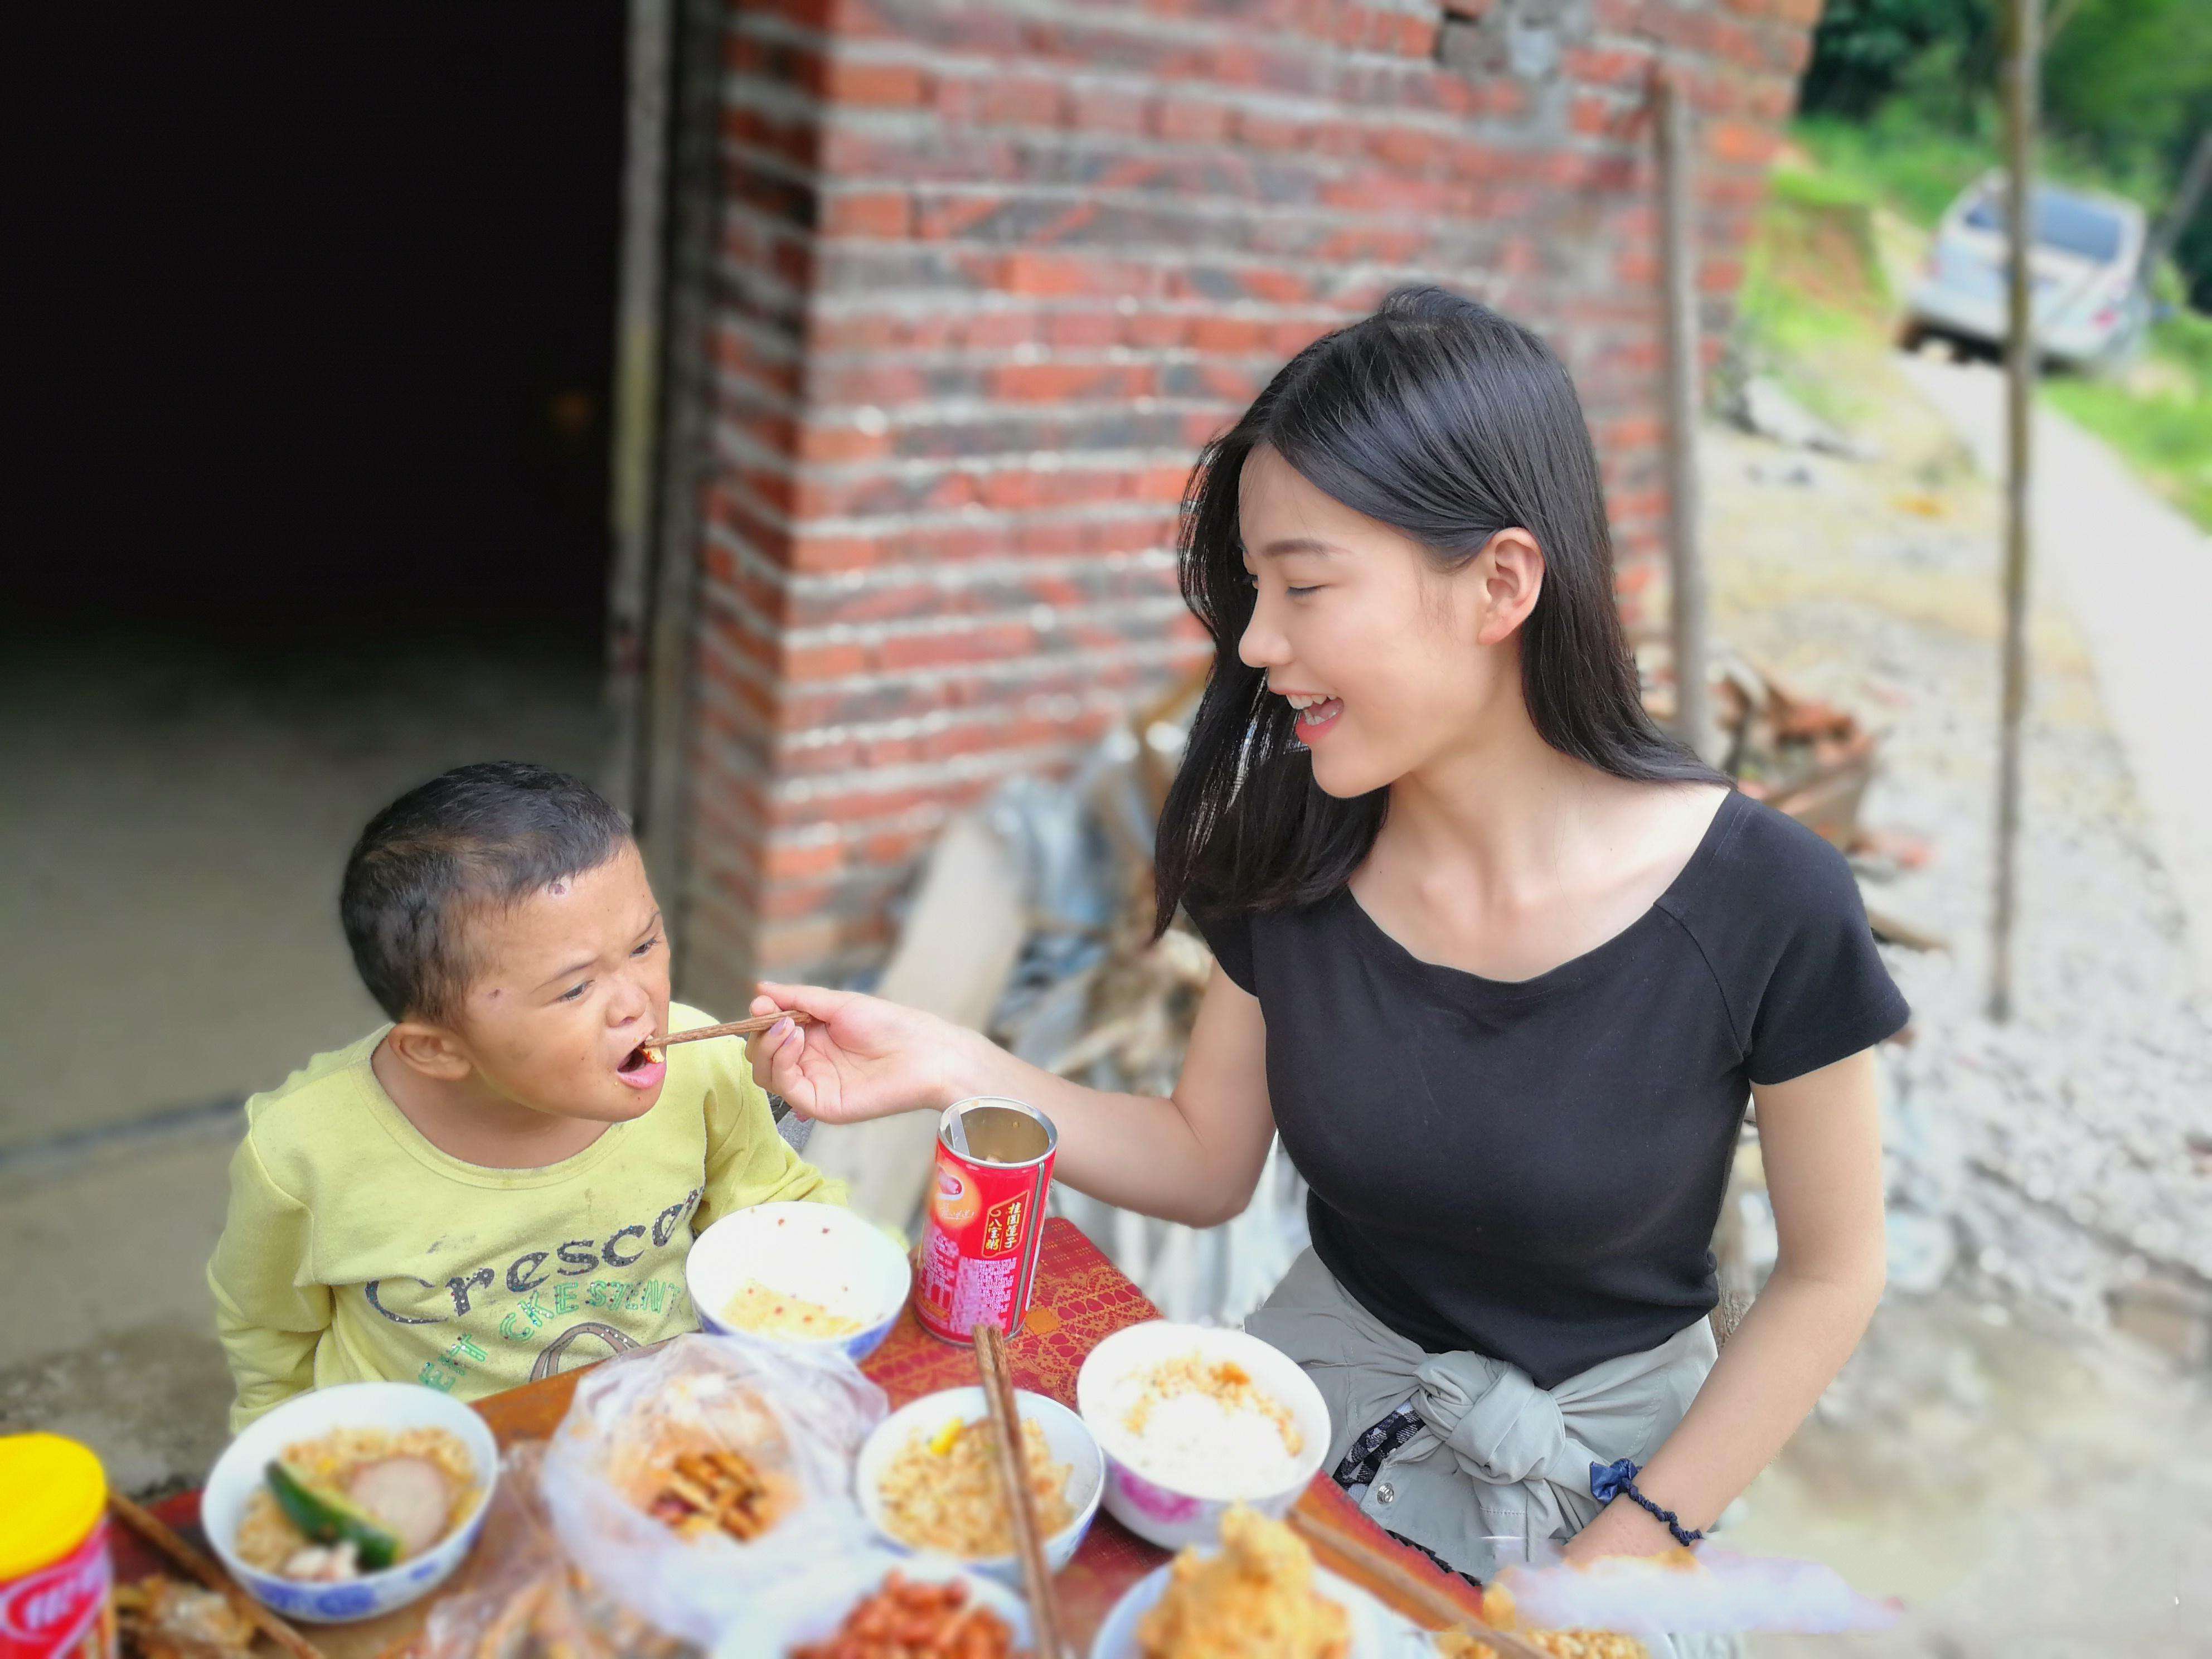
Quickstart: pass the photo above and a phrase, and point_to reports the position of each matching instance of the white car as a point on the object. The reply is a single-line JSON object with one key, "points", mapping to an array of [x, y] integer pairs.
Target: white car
{"points": [[2089, 303]]}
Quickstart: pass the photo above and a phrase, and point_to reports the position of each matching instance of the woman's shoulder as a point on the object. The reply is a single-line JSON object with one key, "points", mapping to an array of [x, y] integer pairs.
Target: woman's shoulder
{"points": [[1761, 869], [1237, 934]]}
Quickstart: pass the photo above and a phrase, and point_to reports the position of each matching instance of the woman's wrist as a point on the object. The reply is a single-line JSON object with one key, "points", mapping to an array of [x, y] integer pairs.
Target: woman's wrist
{"points": [[970, 1065]]}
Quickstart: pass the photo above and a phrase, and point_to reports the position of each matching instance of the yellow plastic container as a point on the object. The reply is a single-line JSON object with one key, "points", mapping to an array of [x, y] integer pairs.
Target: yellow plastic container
{"points": [[55, 1577]]}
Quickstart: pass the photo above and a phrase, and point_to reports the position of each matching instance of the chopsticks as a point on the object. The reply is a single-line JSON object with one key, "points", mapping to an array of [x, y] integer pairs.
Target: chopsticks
{"points": [[151, 1528], [1432, 1601], [748, 1027], [1000, 1399]]}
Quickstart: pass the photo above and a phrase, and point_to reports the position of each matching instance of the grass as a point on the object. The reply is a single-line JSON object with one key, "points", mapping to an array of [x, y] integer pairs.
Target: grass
{"points": [[2165, 428], [1804, 300], [1897, 159], [1813, 290]]}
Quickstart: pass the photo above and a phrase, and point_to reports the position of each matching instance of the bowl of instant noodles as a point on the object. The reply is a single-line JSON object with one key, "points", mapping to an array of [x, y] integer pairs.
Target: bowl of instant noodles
{"points": [[352, 1501]]}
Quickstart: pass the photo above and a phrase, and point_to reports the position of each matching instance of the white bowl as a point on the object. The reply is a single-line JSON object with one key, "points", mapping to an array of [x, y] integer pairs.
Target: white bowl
{"points": [[393, 1407], [1372, 1627], [1071, 1442], [773, 1637], [1152, 1505], [823, 1253]]}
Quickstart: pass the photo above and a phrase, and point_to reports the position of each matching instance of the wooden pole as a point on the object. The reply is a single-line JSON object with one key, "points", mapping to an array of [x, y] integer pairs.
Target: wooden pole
{"points": [[641, 281], [1685, 564], [2196, 179], [2019, 406]]}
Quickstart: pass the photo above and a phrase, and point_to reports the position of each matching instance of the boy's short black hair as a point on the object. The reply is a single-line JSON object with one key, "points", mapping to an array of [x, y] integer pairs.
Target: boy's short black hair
{"points": [[489, 834]]}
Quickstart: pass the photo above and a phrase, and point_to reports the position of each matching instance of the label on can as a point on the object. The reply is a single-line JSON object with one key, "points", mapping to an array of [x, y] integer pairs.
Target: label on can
{"points": [[986, 1221], [61, 1611]]}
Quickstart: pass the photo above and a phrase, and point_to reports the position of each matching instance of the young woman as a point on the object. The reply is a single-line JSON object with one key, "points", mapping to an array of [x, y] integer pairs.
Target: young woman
{"points": [[1500, 962]]}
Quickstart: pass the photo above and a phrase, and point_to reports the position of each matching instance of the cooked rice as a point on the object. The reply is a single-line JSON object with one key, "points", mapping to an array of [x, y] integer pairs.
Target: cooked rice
{"points": [[1224, 1382], [266, 1537], [952, 1500]]}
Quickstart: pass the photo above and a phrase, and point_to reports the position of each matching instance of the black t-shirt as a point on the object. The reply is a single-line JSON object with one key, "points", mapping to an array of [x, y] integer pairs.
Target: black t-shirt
{"points": [[1533, 1170]]}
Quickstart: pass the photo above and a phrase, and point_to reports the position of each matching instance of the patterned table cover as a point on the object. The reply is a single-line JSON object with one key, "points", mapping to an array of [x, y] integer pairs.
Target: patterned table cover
{"points": [[1081, 1299]]}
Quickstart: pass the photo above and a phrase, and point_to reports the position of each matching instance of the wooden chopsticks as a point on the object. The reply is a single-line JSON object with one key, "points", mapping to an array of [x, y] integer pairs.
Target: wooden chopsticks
{"points": [[748, 1027], [1433, 1602], [151, 1528], [999, 1397]]}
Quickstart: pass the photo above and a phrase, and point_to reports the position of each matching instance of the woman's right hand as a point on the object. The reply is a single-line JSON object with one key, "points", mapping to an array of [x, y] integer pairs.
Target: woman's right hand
{"points": [[861, 1058]]}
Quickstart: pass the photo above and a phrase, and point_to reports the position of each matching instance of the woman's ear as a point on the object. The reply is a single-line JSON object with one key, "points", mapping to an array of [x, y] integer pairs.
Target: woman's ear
{"points": [[1511, 568], [430, 1049]]}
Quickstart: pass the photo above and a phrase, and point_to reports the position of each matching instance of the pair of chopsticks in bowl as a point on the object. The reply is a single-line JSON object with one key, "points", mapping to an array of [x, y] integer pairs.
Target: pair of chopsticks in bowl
{"points": [[999, 1401]]}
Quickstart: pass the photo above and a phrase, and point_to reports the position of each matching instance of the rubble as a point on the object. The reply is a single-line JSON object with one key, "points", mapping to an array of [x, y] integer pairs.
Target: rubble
{"points": [[1763, 407]]}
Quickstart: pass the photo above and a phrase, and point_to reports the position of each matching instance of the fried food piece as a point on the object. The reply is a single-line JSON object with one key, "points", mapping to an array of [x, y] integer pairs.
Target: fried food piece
{"points": [[712, 1491], [1498, 1608], [1560, 1644], [1253, 1598], [908, 1620], [159, 1617]]}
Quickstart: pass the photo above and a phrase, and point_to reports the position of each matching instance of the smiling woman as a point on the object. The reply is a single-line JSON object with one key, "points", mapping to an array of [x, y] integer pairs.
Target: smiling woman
{"points": [[1500, 962]]}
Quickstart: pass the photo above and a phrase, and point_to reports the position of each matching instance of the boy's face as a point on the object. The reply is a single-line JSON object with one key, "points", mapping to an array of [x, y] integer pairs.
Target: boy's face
{"points": [[569, 982]]}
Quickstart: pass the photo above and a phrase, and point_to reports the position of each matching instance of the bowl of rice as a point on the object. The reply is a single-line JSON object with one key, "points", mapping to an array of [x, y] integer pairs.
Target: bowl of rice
{"points": [[1194, 1421], [413, 1462], [812, 1275], [928, 1480]]}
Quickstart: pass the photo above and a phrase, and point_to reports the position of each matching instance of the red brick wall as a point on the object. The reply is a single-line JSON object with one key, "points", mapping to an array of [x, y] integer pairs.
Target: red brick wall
{"points": [[995, 270]]}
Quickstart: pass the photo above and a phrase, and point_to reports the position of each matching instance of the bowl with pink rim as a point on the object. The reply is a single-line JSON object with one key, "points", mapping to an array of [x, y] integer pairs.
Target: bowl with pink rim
{"points": [[1193, 1421]]}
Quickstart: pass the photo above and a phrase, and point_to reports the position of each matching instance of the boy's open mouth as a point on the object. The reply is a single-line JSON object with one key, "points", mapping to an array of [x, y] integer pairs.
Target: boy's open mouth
{"points": [[642, 1066]]}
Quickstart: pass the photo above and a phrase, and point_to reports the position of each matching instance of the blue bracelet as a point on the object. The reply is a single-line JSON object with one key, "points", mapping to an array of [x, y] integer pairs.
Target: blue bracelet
{"points": [[1612, 1480]]}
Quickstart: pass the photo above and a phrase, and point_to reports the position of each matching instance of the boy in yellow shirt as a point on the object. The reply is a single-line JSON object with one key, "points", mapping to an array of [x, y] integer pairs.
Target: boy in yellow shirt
{"points": [[500, 1182]]}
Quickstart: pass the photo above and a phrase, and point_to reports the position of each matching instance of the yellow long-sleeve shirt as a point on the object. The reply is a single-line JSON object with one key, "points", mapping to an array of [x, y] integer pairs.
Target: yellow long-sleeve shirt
{"points": [[354, 1249]]}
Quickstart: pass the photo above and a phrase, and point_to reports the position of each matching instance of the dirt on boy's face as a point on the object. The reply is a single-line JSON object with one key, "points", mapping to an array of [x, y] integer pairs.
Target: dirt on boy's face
{"points": [[567, 983]]}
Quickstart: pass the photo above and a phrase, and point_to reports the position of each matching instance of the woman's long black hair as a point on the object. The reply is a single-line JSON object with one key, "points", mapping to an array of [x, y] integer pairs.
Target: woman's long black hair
{"points": [[1448, 422]]}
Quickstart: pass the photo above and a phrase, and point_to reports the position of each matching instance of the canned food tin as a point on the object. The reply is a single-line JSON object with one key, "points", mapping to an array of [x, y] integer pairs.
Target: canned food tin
{"points": [[979, 1245], [54, 1571]]}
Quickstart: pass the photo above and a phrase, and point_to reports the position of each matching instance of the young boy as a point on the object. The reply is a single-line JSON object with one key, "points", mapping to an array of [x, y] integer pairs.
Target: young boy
{"points": [[499, 1182]]}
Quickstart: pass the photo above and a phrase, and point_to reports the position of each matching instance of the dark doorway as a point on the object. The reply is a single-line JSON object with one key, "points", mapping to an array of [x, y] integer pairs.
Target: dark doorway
{"points": [[318, 348], [331, 315]]}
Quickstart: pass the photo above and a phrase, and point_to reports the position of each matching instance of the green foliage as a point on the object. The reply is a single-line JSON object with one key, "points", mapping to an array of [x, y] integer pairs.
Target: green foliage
{"points": [[1897, 157], [2126, 87]]}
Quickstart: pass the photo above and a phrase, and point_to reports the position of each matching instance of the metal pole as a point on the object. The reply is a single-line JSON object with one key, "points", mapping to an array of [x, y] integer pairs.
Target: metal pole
{"points": [[1679, 263], [2020, 393]]}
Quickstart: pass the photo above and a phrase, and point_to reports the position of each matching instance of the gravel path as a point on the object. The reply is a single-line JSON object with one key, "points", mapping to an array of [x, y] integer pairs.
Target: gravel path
{"points": [[2030, 1481], [2069, 1151]]}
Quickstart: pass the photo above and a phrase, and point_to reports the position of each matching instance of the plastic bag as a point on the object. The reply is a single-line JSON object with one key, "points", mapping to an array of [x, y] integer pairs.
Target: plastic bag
{"points": [[522, 1598], [654, 1533]]}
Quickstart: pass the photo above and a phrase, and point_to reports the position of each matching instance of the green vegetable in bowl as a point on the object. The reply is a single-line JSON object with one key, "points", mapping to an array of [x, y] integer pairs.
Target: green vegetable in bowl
{"points": [[327, 1518]]}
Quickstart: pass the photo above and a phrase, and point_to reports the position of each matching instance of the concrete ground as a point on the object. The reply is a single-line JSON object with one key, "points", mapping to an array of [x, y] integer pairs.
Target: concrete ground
{"points": [[173, 816]]}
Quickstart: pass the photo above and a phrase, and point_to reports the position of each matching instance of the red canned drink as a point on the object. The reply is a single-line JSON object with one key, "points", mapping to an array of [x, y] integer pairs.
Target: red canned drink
{"points": [[54, 1571], [978, 1247]]}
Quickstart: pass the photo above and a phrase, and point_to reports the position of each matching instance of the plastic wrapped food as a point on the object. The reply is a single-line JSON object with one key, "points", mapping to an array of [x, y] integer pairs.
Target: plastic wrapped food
{"points": [[523, 1600], [707, 1483]]}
